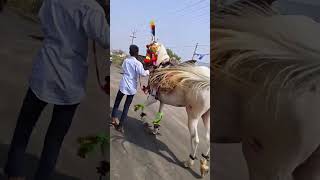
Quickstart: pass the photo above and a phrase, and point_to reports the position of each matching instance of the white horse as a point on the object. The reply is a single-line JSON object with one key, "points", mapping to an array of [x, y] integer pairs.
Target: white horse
{"points": [[182, 85], [266, 92]]}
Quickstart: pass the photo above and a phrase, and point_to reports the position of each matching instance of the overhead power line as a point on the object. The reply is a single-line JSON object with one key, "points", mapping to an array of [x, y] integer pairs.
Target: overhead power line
{"points": [[190, 6]]}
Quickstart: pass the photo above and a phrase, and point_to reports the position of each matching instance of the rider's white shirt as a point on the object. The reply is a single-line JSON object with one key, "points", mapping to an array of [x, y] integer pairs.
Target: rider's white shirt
{"points": [[131, 68]]}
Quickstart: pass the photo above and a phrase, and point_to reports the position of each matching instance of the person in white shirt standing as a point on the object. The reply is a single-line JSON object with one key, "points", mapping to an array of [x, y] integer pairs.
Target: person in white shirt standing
{"points": [[132, 69]]}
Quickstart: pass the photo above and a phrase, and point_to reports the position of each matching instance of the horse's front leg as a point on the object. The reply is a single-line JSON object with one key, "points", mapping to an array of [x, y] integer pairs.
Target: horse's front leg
{"points": [[156, 122], [150, 100]]}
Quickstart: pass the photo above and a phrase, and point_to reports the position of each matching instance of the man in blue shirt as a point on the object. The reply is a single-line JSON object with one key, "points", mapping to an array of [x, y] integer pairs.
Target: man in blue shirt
{"points": [[58, 77], [132, 69]]}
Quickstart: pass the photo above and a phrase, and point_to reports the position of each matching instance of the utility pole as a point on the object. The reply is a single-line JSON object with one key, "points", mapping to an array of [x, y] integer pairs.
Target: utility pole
{"points": [[133, 36], [195, 50]]}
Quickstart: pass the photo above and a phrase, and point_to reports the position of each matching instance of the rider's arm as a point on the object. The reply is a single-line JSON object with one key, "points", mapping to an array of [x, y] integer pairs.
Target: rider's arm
{"points": [[95, 25], [141, 70]]}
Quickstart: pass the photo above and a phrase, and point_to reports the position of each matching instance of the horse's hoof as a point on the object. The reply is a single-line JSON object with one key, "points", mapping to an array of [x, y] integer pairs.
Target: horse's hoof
{"points": [[156, 133], [204, 168], [204, 171]]}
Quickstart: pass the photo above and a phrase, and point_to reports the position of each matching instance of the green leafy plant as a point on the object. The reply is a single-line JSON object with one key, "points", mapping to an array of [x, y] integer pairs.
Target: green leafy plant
{"points": [[90, 144]]}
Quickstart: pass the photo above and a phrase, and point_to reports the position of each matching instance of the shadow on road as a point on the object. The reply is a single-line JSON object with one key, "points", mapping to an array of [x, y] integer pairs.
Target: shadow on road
{"points": [[31, 164], [135, 133]]}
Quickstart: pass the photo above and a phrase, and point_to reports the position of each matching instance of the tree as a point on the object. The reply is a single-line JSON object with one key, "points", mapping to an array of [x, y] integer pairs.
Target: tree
{"points": [[173, 55], [118, 56]]}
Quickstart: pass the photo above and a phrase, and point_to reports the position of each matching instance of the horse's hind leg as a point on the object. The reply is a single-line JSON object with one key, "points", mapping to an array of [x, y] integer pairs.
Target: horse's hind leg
{"points": [[310, 169], [204, 168], [206, 122], [193, 119]]}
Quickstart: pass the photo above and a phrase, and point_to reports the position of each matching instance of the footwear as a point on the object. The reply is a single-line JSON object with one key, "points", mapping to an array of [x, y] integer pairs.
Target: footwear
{"points": [[114, 122], [120, 128]]}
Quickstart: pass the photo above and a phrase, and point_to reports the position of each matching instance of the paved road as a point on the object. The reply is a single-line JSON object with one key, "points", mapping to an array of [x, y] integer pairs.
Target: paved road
{"points": [[16, 53], [137, 155], [140, 156]]}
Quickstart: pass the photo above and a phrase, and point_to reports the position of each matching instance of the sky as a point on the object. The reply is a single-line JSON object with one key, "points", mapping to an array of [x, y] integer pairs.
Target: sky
{"points": [[180, 24]]}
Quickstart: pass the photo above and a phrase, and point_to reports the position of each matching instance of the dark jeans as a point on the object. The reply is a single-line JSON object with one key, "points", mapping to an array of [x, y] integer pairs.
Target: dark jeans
{"points": [[125, 108], [29, 114]]}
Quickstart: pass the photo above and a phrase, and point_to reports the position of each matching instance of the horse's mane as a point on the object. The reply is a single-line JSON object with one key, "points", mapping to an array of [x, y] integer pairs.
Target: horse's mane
{"points": [[257, 45], [183, 75]]}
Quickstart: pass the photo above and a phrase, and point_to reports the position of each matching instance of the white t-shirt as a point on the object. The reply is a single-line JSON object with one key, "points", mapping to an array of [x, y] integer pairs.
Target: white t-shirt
{"points": [[131, 68]]}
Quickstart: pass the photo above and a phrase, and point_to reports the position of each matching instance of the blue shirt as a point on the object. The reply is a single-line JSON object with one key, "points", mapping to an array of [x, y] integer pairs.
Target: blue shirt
{"points": [[132, 69], [60, 68]]}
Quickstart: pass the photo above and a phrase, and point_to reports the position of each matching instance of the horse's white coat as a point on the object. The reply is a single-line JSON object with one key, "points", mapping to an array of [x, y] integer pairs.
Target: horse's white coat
{"points": [[191, 92]]}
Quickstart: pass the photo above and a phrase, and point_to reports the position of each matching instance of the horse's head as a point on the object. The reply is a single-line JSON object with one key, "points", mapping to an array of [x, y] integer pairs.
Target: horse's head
{"points": [[156, 54]]}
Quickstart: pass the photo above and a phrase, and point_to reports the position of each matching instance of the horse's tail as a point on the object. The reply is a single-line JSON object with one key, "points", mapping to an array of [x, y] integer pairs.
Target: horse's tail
{"points": [[186, 76]]}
